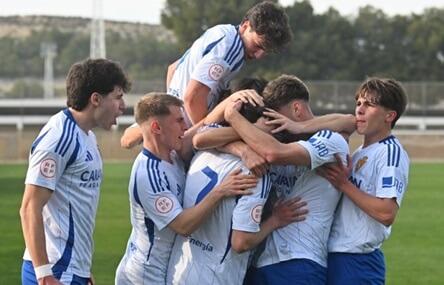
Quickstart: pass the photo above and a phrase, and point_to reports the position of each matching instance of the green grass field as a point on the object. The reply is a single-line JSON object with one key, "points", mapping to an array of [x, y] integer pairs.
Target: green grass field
{"points": [[414, 253]]}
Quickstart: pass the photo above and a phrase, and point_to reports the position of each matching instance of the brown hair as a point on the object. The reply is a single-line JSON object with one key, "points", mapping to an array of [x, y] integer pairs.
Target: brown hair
{"points": [[385, 92], [155, 104]]}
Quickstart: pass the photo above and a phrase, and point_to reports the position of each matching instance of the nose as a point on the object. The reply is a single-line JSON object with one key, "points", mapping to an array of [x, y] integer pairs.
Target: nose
{"points": [[122, 106]]}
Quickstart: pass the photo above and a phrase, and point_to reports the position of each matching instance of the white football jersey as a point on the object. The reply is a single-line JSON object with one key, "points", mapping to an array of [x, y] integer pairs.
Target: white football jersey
{"points": [[306, 239], [381, 170], [213, 60], [67, 161], [156, 193], [206, 257]]}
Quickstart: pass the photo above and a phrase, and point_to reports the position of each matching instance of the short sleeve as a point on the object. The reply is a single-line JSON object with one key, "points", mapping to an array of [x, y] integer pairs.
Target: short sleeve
{"points": [[248, 211], [323, 145], [393, 170], [158, 202]]}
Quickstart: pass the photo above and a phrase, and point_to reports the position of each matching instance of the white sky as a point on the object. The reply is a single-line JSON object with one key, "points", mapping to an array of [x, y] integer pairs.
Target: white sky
{"points": [[148, 11]]}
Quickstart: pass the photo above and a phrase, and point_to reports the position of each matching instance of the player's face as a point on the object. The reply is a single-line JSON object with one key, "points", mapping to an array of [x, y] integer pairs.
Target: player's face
{"points": [[253, 43], [173, 128], [109, 108], [372, 120]]}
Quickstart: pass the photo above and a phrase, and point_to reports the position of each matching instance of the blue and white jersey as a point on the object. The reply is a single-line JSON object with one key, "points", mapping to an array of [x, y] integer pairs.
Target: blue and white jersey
{"points": [[381, 170], [67, 161], [206, 256], [306, 239], [213, 60], [156, 193]]}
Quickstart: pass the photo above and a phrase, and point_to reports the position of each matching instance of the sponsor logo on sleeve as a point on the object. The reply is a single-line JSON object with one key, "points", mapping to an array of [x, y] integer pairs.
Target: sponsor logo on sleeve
{"points": [[216, 71], [48, 168], [256, 213], [164, 204]]}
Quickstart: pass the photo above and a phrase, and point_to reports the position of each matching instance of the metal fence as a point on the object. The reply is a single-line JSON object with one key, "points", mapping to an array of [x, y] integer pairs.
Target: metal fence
{"points": [[425, 98]]}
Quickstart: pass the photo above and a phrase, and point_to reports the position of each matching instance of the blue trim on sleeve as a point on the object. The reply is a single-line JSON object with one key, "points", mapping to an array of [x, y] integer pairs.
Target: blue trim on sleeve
{"points": [[62, 264], [37, 141], [74, 153], [150, 230], [211, 46]]}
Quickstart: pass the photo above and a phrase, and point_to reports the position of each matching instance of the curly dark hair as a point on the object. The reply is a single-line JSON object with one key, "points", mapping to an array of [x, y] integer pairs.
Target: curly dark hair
{"points": [[269, 20], [93, 75]]}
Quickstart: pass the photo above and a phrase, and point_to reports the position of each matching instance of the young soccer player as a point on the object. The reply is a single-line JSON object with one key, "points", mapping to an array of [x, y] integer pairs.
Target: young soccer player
{"points": [[156, 190], [64, 175], [372, 191], [214, 59]]}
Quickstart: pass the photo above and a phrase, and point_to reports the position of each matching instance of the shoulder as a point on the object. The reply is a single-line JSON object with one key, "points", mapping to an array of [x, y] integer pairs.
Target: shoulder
{"points": [[391, 152]]}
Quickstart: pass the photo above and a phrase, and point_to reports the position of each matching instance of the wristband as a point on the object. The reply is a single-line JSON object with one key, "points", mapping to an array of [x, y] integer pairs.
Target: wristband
{"points": [[43, 271]]}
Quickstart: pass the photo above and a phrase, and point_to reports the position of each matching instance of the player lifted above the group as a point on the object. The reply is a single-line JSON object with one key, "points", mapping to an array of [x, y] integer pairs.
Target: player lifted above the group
{"points": [[64, 176], [207, 67]]}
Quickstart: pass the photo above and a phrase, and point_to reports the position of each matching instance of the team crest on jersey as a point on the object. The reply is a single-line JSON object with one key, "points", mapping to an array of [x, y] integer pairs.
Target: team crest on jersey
{"points": [[256, 213], [360, 163], [48, 168], [216, 71], [164, 204]]}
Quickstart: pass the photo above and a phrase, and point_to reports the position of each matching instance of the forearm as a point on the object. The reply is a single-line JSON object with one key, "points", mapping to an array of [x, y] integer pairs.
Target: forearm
{"points": [[244, 241], [131, 137], [214, 138], [262, 143], [186, 152], [381, 209], [334, 122], [34, 234], [191, 218]]}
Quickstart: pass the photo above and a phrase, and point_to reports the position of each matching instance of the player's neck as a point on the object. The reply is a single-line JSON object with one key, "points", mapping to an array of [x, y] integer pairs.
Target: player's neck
{"points": [[158, 149], [370, 139], [83, 120]]}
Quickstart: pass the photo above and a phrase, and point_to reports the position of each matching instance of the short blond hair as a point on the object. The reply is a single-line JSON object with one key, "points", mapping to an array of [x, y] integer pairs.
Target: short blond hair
{"points": [[155, 104]]}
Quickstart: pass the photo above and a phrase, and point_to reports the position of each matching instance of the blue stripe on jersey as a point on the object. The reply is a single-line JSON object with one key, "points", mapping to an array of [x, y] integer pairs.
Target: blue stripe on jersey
{"points": [[324, 133], [235, 52], [266, 186], [211, 46], [62, 264], [152, 169], [183, 57], [135, 193], [210, 173], [74, 154], [150, 230], [238, 65], [228, 247], [69, 139], [393, 151], [234, 46], [37, 141], [67, 133]]}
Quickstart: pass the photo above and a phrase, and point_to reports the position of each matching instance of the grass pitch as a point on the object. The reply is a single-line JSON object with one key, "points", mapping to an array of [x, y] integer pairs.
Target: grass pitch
{"points": [[414, 252]]}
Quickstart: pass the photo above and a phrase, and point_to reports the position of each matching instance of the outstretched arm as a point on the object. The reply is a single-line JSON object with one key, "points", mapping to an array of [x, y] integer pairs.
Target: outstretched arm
{"points": [[342, 123]]}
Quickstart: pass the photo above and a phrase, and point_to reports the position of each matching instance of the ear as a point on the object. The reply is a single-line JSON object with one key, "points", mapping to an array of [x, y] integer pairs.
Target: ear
{"points": [[95, 99], [155, 126], [296, 108], [390, 116], [243, 27]]}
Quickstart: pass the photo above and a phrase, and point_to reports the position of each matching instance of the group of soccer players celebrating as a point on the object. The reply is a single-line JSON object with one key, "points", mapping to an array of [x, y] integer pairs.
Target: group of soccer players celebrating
{"points": [[249, 188]]}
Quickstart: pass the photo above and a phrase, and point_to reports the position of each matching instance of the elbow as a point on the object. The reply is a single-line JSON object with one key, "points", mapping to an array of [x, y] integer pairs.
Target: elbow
{"points": [[198, 142], [271, 156], [239, 247], [387, 219], [239, 243], [124, 143]]}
